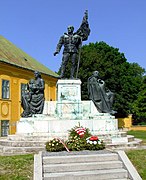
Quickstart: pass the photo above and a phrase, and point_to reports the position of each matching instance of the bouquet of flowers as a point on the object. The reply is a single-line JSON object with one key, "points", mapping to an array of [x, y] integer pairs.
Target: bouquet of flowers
{"points": [[77, 138], [54, 145], [95, 143]]}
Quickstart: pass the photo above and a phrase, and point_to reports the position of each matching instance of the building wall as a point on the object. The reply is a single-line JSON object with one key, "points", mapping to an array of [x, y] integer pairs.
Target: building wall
{"points": [[125, 122], [10, 109]]}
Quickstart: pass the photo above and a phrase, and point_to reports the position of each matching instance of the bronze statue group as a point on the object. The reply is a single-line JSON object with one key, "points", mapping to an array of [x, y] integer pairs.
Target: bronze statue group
{"points": [[33, 100]]}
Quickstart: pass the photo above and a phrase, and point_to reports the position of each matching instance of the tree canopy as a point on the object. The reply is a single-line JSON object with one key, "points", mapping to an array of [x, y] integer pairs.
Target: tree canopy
{"points": [[139, 105]]}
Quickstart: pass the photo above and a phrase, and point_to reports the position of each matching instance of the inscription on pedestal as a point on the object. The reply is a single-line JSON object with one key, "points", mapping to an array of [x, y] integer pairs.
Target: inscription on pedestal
{"points": [[69, 90], [69, 98]]}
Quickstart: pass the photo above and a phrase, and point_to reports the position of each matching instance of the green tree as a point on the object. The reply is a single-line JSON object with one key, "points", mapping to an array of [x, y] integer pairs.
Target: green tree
{"points": [[139, 105]]}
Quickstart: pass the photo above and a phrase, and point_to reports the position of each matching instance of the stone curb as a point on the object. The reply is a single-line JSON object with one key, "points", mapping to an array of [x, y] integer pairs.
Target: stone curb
{"points": [[129, 166], [37, 174]]}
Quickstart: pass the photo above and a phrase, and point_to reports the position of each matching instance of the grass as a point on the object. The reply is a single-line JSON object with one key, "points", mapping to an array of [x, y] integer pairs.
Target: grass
{"points": [[138, 134], [138, 159], [19, 167]]}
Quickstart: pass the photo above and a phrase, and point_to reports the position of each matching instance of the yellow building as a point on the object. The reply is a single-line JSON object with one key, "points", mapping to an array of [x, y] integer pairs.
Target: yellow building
{"points": [[125, 122], [16, 69]]}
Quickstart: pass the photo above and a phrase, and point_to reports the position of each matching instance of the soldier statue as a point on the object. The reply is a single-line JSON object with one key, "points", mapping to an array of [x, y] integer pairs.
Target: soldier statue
{"points": [[72, 43]]}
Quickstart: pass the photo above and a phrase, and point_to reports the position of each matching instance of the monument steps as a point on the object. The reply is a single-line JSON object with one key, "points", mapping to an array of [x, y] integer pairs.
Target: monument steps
{"points": [[15, 144], [79, 158], [10, 143], [80, 166], [6, 150], [132, 144], [86, 175], [96, 166], [43, 137], [130, 138], [47, 136]]}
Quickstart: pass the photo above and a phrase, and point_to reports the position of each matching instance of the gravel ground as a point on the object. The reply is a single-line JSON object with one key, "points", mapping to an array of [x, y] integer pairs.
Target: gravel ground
{"points": [[65, 153]]}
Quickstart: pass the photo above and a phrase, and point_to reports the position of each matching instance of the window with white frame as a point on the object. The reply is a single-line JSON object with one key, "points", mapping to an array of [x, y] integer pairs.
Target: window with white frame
{"points": [[5, 89], [4, 128], [23, 88]]}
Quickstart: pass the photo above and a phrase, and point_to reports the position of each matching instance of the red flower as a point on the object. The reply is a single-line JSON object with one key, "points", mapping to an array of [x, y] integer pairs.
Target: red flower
{"points": [[93, 138]]}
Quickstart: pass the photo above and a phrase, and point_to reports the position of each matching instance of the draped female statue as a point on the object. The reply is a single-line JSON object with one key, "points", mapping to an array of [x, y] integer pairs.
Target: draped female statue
{"points": [[33, 100]]}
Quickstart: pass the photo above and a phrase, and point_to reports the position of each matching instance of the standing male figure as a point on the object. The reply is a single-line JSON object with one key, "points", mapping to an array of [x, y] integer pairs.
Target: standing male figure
{"points": [[72, 43]]}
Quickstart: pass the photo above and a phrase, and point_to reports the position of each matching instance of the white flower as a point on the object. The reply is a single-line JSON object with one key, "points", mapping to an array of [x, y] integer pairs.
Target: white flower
{"points": [[90, 142], [99, 142], [95, 142]]}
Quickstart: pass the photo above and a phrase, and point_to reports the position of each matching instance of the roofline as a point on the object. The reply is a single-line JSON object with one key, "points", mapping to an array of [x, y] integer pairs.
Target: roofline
{"points": [[1, 60]]}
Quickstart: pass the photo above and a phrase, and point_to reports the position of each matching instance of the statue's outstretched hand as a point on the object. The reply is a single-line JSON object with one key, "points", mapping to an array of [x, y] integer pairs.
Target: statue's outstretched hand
{"points": [[55, 53]]}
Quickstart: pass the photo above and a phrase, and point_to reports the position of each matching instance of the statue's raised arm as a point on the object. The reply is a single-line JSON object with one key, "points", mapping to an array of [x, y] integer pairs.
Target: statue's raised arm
{"points": [[84, 29]]}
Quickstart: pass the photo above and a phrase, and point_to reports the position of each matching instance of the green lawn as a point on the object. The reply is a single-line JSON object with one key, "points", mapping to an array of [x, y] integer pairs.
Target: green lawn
{"points": [[138, 134], [19, 167], [138, 159]]}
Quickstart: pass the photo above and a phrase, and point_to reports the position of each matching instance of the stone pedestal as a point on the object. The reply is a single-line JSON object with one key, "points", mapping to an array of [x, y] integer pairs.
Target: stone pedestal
{"points": [[69, 90], [69, 99]]}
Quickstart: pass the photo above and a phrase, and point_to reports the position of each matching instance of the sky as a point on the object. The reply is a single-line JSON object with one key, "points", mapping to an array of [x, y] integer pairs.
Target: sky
{"points": [[35, 26]]}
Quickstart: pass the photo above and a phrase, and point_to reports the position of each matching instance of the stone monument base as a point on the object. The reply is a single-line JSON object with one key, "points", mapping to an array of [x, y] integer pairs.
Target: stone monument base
{"points": [[58, 127], [67, 112], [50, 125]]}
